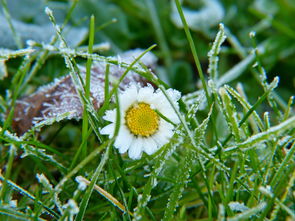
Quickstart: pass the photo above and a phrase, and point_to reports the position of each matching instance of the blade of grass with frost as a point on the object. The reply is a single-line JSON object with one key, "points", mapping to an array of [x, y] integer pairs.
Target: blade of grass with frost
{"points": [[109, 60], [230, 113], [88, 193], [70, 62], [87, 88], [107, 83], [249, 213], [230, 191], [200, 131], [7, 54], [217, 98], [289, 108], [234, 72], [280, 171], [262, 75], [98, 170], [196, 59], [193, 49], [42, 179], [242, 100], [150, 76], [77, 80], [142, 71], [48, 121], [273, 85], [77, 154], [183, 173], [46, 187], [152, 181], [34, 143], [214, 52], [280, 203], [15, 87], [42, 56], [30, 150], [276, 146], [189, 133], [30, 196], [81, 165], [191, 113], [125, 207], [199, 134], [266, 120], [105, 194], [11, 212], [221, 213], [264, 136], [273, 199], [5, 195]]}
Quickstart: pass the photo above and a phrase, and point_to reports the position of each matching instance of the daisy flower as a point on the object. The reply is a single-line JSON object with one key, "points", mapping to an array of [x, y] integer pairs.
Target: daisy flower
{"points": [[141, 127]]}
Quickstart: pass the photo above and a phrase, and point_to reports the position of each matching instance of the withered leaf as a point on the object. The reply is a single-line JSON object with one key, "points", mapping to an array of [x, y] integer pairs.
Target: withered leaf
{"points": [[59, 97]]}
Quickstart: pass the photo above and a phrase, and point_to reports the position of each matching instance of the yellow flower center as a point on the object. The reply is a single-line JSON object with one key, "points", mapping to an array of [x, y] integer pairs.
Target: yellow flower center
{"points": [[142, 120]]}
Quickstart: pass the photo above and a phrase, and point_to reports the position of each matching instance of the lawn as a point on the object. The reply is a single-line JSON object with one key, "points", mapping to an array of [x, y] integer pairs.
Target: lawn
{"points": [[147, 110]]}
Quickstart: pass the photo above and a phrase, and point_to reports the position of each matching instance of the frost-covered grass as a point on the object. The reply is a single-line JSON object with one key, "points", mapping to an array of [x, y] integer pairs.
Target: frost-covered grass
{"points": [[232, 155]]}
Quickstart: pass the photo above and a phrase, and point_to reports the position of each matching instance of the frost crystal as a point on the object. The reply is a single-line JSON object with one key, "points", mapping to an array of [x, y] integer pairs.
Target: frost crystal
{"points": [[72, 207], [48, 11], [82, 185], [13, 203], [31, 43], [60, 97], [237, 206], [252, 34], [44, 181]]}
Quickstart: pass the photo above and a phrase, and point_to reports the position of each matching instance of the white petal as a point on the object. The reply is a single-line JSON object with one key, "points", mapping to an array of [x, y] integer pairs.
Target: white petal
{"points": [[164, 107], [124, 140], [170, 114], [145, 94], [149, 146], [165, 126], [135, 150], [160, 139], [160, 102], [110, 115], [108, 130], [174, 94], [164, 134], [128, 97]]}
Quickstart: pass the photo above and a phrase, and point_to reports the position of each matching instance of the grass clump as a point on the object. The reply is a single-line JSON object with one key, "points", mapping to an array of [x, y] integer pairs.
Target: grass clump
{"points": [[230, 157]]}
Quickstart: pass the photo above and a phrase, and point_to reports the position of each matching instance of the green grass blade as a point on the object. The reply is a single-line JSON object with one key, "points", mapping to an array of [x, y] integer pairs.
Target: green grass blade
{"points": [[193, 49], [30, 196], [87, 88]]}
